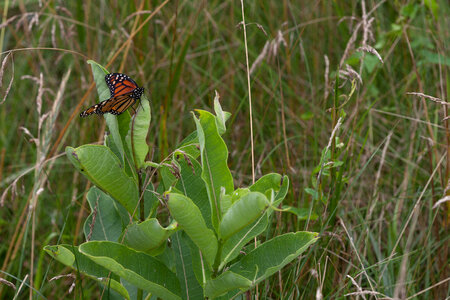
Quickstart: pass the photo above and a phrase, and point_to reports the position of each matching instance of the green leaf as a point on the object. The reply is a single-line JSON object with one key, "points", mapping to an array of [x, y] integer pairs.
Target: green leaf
{"points": [[301, 213], [267, 182], [190, 145], [237, 241], [151, 201], [103, 168], [71, 257], [148, 236], [140, 129], [167, 177], [188, 215], [243, 212], [312, 192], [221, 116], [273, 255], [192, 185], [184, 262], [110, 218], [238, 194], [140, 269], [225, 202], [274, 181], [226, 282], [279, 197], [214, 155]]}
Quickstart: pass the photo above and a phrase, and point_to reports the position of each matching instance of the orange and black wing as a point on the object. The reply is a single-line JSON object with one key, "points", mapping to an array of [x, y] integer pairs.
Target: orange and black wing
{"points": [[91, 110], [115, 105], [124, 93], [120, 84]]}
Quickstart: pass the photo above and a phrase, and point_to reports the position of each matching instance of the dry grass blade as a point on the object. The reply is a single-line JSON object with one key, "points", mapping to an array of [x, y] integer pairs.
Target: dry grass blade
{"points": [[371, 50], [2, 70], [440, 201], [249, 93], [62, 276], [431, 98], [8, 283], [326, 74]]}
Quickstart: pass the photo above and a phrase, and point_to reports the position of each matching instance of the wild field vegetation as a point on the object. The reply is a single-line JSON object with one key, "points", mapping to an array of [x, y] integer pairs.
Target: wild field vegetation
{"points": [[348, 99]]}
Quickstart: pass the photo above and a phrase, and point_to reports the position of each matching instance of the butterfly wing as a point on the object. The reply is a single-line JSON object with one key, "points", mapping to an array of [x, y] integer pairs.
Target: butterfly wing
{"points": [[124, 93], [91, 110], [115, 105], [120, 84], [97, 108]]}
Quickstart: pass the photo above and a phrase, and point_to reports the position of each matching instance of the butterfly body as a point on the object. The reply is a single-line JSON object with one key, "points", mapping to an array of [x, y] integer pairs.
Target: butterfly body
{"points": [[124, 93]]}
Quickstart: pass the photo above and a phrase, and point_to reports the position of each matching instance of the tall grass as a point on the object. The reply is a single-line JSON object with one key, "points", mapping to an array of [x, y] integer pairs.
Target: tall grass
{"points": [[366, 157]]}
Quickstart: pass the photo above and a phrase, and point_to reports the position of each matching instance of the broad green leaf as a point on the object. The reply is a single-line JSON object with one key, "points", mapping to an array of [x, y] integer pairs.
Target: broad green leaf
{"points": [[226, 282], [201, 270], [225, 201], [128, 164], [103, 168], [188, 215], [221, 116], [167, 177], [110, 218], [243, 212], [183, 258], [71, 257], [124, 121], [140, 269], [239, 193], [147, 236], [167, 257], [279, 197], [273, 255], [214, 155], [133, 291], [190, 145], [267, 182], [139, 127], [109, 142], [192, 185], [150, 199], [272, 181], [301, 213], [233, 246]]}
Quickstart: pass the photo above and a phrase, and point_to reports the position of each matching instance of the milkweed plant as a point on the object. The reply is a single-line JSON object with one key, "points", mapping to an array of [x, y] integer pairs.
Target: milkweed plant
{"points": [[195, 235]]}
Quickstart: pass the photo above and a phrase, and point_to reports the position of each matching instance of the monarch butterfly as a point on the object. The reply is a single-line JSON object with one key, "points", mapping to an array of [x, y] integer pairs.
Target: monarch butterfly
{"points": [[124, 93]]}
